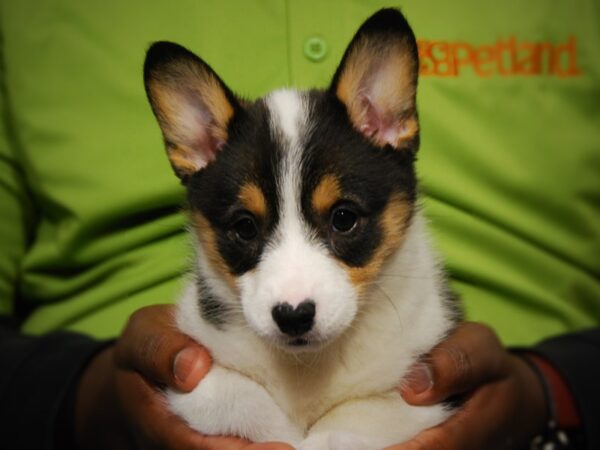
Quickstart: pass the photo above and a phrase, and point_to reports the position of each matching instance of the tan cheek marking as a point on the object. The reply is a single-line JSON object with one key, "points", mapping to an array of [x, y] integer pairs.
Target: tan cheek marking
{"points": [[326, 194], [253, 199], [207, 237], [392, 222]]}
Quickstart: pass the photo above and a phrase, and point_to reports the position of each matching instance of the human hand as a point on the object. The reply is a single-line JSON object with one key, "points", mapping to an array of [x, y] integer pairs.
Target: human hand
{"points": [[119, 404], [505, 405]]}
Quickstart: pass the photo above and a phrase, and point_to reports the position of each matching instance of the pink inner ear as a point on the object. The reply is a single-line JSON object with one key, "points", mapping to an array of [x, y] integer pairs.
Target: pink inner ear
{"points": [[199, 132], [205, 148], [379, 125], [213, 146], [370, 118]]}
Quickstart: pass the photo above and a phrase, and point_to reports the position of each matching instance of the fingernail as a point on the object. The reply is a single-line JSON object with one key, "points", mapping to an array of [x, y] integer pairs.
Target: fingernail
{"points": [[185, 363], [420, 378]]}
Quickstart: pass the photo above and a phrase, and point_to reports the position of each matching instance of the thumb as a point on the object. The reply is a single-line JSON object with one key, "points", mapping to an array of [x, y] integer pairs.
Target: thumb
{"points": [[471, 356], [151, 345]]}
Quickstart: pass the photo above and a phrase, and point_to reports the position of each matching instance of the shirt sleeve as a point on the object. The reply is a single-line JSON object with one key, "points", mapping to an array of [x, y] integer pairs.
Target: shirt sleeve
{"points": [[37, 375], [576, 357]]}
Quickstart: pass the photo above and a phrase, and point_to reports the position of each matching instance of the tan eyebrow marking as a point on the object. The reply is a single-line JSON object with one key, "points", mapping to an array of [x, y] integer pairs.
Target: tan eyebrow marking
{"points": [[253, 199], [327, 193]]}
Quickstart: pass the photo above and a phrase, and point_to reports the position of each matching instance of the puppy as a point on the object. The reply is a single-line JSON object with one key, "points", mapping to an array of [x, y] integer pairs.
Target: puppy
{"points": [[315, 285]]}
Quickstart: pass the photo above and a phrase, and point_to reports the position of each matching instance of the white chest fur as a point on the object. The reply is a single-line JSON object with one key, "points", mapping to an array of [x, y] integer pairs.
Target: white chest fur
{"points": [[345, 389]]}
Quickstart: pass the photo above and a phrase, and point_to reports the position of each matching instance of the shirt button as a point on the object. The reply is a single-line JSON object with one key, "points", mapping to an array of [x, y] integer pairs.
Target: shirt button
{"points": [[315, 48]]}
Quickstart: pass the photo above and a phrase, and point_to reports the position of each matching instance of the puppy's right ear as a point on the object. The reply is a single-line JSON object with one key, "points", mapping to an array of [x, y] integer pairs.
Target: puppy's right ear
{"points": [[191, 103]]}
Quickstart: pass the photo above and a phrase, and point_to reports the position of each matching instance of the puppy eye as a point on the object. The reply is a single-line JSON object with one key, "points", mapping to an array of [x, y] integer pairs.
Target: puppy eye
{"points": [[343, 219], [245, 228]]}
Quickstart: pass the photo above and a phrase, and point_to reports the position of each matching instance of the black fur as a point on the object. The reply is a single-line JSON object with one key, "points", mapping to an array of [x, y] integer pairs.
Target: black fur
{"points": [[250, 155], [212, 309], [368, 175]]}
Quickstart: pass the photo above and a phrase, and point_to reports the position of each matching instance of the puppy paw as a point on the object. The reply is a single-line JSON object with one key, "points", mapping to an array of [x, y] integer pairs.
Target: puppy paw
{"points": [[227, 403]]}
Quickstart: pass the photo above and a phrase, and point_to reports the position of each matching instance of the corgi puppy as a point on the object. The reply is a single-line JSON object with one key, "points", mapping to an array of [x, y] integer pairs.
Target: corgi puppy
{"points": [[315, 286]]}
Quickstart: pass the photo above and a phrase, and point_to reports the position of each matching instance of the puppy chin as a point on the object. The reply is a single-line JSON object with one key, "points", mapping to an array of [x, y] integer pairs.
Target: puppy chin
{"points": [[312, 341], [302, 344]]}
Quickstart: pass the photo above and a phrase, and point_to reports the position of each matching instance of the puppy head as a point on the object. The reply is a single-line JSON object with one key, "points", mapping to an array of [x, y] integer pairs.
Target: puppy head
{"points": [[298, 198]]}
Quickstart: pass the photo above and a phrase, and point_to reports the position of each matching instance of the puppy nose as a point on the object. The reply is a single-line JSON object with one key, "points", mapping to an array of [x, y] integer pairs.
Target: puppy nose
{"points": [[294, 321]]}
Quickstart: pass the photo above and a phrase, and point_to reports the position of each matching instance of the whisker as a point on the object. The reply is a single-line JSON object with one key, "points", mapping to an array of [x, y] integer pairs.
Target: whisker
{"points": [[412, 277], [389, 300]]}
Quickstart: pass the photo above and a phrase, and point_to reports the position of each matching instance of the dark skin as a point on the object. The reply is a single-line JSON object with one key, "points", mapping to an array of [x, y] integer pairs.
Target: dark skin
{"points": [[505, 405], [119, 404]]}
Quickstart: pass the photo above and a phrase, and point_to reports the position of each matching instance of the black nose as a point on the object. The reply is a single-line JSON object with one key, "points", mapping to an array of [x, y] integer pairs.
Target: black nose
{"points": [[294, 321]]}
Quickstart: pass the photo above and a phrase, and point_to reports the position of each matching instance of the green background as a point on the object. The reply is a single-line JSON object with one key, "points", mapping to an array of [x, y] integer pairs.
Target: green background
{"points": [[91, 225]]}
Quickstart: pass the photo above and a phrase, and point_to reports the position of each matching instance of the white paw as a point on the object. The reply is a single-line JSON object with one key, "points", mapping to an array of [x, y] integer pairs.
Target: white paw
{"points": [[340, 440], [227, 403]]}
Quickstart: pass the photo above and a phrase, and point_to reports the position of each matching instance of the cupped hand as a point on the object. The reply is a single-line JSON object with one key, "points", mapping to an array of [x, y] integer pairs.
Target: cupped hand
{"points": [[504, 405], [119, 403]]}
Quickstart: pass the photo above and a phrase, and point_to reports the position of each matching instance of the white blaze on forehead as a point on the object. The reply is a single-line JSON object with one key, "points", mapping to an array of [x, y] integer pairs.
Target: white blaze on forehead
{"points": [[287, 113], [294, 267], [288, 119]]}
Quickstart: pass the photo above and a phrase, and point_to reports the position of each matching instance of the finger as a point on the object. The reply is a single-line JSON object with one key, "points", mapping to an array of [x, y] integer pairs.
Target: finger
{"points": [[470, 356], [158, 427], [481, 423], [151, 345]]}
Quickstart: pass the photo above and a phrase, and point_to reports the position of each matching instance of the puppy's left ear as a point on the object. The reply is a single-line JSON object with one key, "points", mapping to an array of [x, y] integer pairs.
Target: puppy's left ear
{"points": [[377, 81]]}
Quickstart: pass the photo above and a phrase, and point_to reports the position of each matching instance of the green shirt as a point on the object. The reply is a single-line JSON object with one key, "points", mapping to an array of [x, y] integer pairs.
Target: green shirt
{"points": [[91, 226]]}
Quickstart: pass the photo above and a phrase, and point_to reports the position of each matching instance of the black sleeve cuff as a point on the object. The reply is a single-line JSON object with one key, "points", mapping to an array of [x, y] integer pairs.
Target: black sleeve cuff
{"points": [[577, 358], [37, 374]]}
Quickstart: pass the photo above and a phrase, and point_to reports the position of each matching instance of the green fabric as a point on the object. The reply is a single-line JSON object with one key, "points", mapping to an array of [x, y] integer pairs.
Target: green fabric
{"points": [[15, 212], [91, 227]]}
